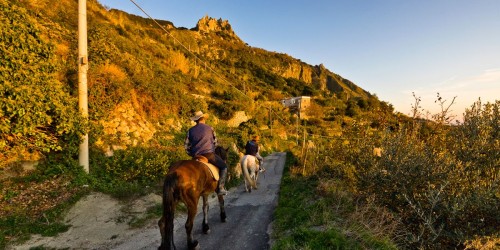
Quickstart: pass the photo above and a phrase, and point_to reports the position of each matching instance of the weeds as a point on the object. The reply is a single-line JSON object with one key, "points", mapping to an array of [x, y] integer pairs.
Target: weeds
{"points": [[321, 213]]}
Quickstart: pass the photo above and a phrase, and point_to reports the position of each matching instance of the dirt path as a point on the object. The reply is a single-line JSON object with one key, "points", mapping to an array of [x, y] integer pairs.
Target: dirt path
{"points": [[99, 221]]}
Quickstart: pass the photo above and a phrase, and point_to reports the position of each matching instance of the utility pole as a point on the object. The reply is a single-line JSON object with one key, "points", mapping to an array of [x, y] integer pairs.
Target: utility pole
{"points": [[297, 134], [83, 156], [270, 121]]}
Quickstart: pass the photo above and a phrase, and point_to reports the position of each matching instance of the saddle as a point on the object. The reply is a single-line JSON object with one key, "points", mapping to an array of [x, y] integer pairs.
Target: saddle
{"points": [[213, 169]]}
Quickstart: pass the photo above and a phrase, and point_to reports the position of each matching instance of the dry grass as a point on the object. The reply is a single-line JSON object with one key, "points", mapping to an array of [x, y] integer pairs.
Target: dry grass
{"points": [[113, 72], [32, 199], [378, 221], [483, 243]]}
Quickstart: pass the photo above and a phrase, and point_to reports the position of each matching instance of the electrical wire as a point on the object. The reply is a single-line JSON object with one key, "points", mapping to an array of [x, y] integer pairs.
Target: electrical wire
{"points": [[221, 77], [189, 51]]}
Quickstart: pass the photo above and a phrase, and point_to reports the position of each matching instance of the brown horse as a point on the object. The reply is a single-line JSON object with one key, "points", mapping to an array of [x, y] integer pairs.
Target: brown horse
{"points": [[186, 181]]}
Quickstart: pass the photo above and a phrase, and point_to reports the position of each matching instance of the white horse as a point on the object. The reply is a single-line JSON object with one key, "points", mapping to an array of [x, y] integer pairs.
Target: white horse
{"points": [[250, 169]]}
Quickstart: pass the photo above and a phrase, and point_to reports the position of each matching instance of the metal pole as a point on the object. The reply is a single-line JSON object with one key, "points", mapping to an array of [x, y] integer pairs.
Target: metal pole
{"points": [[83, 157]]}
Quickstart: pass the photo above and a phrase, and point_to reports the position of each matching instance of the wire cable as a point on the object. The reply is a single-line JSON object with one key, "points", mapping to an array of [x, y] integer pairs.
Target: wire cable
{"points": [[189, 51], [224, 79]]}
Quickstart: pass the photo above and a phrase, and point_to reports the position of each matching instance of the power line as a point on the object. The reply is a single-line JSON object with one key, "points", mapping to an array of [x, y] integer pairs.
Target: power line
{"points": [[221, 77], [189, 51], [279, 117]]}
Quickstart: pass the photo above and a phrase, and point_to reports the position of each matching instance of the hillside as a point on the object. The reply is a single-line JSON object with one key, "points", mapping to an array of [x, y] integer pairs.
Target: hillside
{"points": [[158, 75], [390, 180]]}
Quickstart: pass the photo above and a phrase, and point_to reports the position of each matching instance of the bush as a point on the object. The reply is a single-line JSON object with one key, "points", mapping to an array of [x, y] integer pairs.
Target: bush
{"points": [[444, 192], [144, 165], [37, 115], [225, 109], [441, 181]]}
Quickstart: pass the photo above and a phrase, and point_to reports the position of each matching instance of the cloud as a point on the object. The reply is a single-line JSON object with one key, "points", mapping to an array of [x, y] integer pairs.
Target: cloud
{"points": [[482, 84], [490, 75], [467, 89]]}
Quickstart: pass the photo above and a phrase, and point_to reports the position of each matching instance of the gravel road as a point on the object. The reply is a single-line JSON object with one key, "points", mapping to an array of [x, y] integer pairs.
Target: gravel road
{"points": [[99, 222]]}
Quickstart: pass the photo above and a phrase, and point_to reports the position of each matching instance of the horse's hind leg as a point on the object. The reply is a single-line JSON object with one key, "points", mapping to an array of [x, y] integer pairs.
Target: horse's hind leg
{"points": [[204, 226], [192, 206], [246, 187], [254, 179], [161, 225], [257, 167], [222, 209]]}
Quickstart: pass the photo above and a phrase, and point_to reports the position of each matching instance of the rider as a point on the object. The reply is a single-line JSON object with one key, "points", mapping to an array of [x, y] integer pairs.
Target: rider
{"points": [[201, 140], [252, 148]]}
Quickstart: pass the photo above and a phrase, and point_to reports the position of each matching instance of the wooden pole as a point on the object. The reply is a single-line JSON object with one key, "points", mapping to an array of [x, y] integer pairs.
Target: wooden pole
{"points": [[304, 148], [271, 120], [83, 157], [297, 134]]}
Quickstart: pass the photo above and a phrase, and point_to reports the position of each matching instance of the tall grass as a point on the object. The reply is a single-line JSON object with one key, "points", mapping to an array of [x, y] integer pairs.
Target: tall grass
{"points": [[318, 212]]}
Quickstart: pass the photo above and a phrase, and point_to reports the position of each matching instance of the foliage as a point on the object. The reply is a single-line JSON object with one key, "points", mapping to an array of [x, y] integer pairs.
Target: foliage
{"points": [[37, 115], [225, 109], [317, 213], [136, 164], [441, 181]]}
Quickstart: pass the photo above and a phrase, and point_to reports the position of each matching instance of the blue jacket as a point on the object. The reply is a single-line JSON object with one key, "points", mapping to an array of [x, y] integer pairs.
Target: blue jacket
{"points": [[200, 140]]}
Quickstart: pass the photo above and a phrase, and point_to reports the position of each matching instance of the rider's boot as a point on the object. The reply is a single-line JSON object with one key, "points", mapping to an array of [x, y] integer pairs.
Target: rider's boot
{"points": [[222, 180]]}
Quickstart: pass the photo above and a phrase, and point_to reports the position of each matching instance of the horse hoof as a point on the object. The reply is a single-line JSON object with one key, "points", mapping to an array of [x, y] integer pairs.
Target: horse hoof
{"points": [[206, 229], [223, 217], [194, 245]]}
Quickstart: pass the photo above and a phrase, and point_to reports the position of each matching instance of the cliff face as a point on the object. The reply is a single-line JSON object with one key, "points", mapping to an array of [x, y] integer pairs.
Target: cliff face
{"points": [[295, 70], [319, 77]]}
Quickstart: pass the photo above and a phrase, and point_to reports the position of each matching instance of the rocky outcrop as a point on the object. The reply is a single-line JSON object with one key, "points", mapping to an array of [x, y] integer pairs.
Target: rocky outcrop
{"points": [[297, 71], [125, 127], [209, 24], [238, 118]]}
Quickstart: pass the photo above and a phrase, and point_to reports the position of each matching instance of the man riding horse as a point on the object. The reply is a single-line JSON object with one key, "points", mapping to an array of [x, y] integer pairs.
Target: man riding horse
{"points": [[252, 148], [201, 140]]}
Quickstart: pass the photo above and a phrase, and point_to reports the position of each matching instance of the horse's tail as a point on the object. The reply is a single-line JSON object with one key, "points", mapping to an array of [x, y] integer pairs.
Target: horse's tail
{"points": [[169, 203], [246, 174]]}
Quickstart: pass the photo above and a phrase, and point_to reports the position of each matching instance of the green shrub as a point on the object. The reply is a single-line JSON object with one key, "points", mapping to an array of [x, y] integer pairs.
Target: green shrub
{"points": [[440, 181], [137, 164], [443, 185], [37, 115], [225, 109]]}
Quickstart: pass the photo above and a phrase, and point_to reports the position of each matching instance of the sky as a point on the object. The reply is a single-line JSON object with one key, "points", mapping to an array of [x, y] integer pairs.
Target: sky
{"points": [[391, 48]]}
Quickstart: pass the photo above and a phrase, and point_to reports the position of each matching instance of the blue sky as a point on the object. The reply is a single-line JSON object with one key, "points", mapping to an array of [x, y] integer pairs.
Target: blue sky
{"points": [[390, 48]]}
